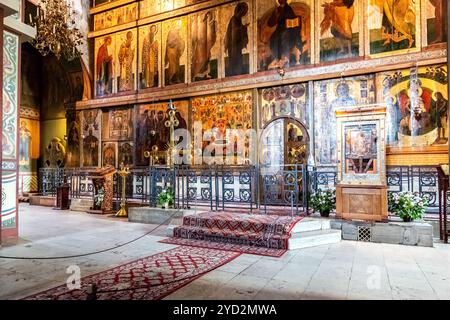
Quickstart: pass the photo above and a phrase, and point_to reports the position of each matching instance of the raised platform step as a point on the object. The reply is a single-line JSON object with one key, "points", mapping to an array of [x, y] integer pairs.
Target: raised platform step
{"points": [[45, 201], [157, 215], [315, 238], [83, 205], [233, 221], [311, 224]]}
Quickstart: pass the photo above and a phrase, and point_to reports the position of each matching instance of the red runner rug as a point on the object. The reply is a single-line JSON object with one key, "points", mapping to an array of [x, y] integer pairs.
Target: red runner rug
{"points": [[150, 278], [231, 231]]}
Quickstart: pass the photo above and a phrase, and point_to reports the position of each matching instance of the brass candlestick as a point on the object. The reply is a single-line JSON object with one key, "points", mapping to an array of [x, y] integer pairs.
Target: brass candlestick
{"points": [[124, 172], [171, 124], [152, 155]]}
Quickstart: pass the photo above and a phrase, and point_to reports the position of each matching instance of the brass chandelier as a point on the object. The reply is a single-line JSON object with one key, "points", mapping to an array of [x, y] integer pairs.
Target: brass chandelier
{"points": [[56, 30]]}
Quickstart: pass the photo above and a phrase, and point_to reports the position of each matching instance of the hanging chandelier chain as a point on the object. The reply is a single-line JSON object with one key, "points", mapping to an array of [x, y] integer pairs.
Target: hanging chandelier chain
{"points": [[56, 30]]}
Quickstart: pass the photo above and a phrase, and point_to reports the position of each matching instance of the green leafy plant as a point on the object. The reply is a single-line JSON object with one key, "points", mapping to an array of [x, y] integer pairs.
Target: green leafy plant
{"points": [[407, 205], [99, 197], [323, 201], [165, 197]]}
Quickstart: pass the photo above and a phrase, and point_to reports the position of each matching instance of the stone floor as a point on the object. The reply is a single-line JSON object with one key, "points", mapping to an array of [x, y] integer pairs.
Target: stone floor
{"points": [[348, 270]]}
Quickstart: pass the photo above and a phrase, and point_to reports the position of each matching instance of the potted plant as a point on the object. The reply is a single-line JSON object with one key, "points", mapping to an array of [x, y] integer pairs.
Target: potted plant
{"points": [[407, 205], [323, 201], [165, 198], [99, 198]]}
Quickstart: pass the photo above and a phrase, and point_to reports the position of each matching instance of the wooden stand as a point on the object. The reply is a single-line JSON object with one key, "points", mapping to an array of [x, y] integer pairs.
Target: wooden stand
{"points": [[358, 202], [62, 197], [102, 179]]}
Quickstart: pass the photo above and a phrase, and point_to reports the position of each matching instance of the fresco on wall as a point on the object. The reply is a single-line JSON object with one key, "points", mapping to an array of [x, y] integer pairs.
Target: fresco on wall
{"points": [[236, 30], [328, 96], [149, 56], [56, 91], [126, 153], [151, 129], [417, 102], [28, 142], [434, 13], [219, 113], [284, 33], [115, 17], [73, 140], [104, 65], [205, 46], [393, 26], [31, 73], [126, 60], [91, 138], [340, 29], [174, 37], [149, 7], [286, 101], [76, 83], [109, 150]]}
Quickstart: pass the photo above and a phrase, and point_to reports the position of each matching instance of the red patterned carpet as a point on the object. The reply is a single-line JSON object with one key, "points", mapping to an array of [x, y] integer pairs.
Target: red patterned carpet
{"points": [[246, 233], [150, 278]]}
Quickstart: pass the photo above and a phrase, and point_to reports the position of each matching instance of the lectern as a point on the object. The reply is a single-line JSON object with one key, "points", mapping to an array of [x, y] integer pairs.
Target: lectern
{"points": [[361, 192], [103, 182]]}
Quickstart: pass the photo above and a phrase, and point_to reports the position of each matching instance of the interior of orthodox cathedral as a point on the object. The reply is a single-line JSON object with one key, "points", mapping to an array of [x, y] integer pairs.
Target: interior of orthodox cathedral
{"points": [[224, 149]]}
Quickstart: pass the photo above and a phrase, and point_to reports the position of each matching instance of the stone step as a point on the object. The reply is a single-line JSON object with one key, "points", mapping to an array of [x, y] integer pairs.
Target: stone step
{"points": [[311, 224], [82, 205], [314, 238]]}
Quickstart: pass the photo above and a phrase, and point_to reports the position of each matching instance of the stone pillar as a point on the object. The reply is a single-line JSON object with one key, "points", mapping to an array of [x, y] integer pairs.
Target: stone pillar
{"points": [[10, 143]]}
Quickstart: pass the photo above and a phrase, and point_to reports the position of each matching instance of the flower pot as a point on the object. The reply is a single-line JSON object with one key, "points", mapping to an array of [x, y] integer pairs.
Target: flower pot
{"points": [[165, 205], [407, 219], [325, 213]]}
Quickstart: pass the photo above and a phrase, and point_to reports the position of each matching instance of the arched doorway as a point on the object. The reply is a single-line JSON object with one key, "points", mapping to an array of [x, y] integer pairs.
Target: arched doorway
{"points": [[284, 151], [284, 141]]}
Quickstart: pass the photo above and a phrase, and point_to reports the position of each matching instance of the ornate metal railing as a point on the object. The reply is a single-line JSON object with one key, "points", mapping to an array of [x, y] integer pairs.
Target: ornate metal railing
{"points": [[223, 187]]}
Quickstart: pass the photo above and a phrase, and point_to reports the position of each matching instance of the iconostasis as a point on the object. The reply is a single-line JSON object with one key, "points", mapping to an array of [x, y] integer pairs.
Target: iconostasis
{"points": [[204, 42], [250, 36]]}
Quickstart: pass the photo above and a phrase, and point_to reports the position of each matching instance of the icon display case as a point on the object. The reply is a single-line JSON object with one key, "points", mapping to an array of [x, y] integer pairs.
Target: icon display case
{"points": [[361, 193]]}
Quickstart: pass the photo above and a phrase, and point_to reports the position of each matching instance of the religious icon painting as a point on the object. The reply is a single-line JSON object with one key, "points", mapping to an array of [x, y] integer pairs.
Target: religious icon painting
{"points": [[126, 150], [91, 131], [205, 45], [179, 3], [116, 17], [148, 8], [417, 102], [236, 30], [340, 34], [434, 21], [109, 154], [104, 65], [285, 101], [219, 116], [284, 33], [174, 44], [328, 96], [149, 56], [120, 124], [393, 26], [126, 60], [29, 143], [151, 131], [73, 140]]}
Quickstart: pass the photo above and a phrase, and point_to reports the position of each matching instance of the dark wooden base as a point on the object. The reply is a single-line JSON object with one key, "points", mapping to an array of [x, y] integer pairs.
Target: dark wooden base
{"points": [[357, 202]]}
